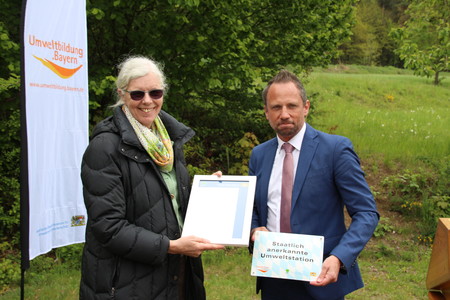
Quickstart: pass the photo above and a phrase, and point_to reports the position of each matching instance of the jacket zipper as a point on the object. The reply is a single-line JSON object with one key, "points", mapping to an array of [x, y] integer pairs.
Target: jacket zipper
{"points": [[115, 278]]}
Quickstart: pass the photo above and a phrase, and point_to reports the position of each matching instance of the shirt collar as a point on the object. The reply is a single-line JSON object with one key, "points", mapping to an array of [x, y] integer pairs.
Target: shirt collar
{"points": [[296, 141]]}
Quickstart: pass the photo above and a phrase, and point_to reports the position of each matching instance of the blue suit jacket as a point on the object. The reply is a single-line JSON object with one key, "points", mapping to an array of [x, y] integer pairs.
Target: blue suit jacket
{"points": [[328, 177]]}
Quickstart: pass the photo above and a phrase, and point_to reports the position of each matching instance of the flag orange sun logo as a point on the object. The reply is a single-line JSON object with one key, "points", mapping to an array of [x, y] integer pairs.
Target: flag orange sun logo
{"points": [[58, 70]]}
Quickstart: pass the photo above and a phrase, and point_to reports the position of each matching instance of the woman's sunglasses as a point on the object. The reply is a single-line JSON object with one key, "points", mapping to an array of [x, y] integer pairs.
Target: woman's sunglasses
{"points": [[139, 95]]}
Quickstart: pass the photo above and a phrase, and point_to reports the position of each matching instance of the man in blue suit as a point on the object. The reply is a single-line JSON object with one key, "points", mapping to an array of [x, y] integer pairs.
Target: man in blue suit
{"points": [[327, 177]]}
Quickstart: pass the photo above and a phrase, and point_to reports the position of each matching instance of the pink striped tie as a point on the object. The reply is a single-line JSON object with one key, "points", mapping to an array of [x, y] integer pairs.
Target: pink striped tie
{"points": [[287, 183]]}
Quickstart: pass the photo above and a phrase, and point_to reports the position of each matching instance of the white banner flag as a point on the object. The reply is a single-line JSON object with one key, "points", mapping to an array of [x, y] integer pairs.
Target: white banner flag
{"points": [[56, 91]]}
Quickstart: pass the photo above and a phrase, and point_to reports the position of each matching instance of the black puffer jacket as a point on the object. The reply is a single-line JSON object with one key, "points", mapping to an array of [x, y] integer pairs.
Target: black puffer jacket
{"points": [[131, 217]]}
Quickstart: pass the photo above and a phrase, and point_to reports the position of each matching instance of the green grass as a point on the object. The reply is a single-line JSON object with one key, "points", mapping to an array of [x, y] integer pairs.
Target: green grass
{"points": [[57, 283], [400, 117], [386, 264], [359, 69], [392, 118], [227, 274], [384, 269], [394, 267]]}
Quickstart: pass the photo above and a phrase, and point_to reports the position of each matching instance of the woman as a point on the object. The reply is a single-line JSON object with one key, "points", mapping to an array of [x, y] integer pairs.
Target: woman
{"points": [[136, 188]]}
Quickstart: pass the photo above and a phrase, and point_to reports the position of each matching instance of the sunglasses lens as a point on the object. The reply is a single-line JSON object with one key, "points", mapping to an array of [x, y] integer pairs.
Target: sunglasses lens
{"points": [[137, 95], [156, 94]]}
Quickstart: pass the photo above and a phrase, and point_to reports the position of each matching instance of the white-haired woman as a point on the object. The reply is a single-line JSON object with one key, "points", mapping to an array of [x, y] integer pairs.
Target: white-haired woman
{"points": [[136, 189]]}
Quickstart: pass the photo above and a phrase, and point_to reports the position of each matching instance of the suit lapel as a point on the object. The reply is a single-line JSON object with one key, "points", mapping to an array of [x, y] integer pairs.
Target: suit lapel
{"points": [[309, 146], [267, 165], [268, 158]]}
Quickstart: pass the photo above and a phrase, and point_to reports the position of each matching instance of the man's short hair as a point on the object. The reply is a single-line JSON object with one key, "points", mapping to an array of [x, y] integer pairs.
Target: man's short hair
{"points": [[285, 76]]}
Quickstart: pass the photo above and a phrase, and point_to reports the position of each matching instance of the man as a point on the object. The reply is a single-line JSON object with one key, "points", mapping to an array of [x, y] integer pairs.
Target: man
{"points": [[327, 176]]}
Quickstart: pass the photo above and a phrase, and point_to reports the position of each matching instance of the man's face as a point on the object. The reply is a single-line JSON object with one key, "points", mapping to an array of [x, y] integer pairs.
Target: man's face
{"points": [[285, 110]]}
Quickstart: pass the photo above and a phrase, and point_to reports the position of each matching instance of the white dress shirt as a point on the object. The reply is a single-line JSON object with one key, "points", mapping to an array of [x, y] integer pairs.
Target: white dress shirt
{"points": [[274, 192]]}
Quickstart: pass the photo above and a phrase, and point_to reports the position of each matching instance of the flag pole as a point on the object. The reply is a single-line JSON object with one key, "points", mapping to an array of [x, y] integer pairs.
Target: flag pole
{"points": [[24, 191]]}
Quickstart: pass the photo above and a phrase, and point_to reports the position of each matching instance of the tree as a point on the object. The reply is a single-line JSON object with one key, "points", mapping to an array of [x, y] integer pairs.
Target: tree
{"points": [[395, 9], [370, 43], [9, 120], [424, 41], [217, 55]]}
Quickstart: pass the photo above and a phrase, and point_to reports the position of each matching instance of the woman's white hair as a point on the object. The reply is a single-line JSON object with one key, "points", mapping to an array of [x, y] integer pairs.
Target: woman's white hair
{"points": [[134, 67]]}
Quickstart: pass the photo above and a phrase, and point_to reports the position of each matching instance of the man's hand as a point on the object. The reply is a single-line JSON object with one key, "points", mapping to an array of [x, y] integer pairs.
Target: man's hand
{"points": [[329, 273], [252, 233], [191, 246]]}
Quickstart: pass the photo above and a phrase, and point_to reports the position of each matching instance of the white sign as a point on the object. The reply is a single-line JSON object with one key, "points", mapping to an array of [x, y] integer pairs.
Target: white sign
{"points": [[287, 255], [220, 209], [56, 93]]}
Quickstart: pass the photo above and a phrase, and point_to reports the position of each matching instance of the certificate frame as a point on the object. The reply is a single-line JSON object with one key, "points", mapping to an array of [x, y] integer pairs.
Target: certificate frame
{"points": [[220, 209]]}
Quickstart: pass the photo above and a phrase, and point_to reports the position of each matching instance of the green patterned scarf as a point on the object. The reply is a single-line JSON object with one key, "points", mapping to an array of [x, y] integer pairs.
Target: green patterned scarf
{"points": [[156, 141]]}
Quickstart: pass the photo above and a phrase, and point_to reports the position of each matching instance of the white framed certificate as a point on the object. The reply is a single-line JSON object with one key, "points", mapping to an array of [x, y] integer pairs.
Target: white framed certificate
{"points": [[220, 209]]}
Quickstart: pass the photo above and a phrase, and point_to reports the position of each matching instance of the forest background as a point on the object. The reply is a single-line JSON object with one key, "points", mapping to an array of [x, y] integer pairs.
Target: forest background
{"points": [[217, 56]]}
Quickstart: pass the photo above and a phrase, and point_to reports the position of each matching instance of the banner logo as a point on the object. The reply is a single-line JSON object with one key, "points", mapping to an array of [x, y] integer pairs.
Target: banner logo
{"points": [[63, 53], [78, 221], [58, 70]]}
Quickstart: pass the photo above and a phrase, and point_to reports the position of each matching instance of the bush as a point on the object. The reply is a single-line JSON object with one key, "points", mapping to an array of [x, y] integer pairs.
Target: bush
{"points": [[408, 189], [9, 175], [70, 255], [383, 228], [240, 154], [9, 266], [423, 195]]}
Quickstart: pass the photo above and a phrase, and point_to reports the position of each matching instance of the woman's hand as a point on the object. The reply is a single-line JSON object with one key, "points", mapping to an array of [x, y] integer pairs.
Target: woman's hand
{"points": [[191, 246]]}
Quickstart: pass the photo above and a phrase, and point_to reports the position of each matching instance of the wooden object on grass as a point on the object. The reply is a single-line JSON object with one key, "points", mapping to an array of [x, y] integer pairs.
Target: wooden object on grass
{"points": [[438, 277]]}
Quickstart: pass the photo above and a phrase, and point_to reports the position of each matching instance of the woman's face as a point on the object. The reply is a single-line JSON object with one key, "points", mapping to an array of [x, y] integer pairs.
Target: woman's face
{"points": [[146, 109]]}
